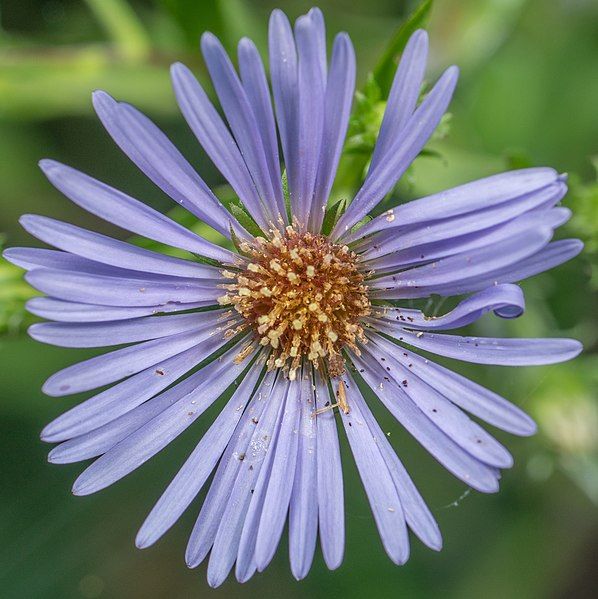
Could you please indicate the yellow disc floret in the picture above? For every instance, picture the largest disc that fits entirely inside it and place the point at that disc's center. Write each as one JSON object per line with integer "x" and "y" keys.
{"x": 304, "y": 297}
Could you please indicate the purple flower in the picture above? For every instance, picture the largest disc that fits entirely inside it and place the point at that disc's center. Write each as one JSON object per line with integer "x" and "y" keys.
{"x": 293, "y": 324}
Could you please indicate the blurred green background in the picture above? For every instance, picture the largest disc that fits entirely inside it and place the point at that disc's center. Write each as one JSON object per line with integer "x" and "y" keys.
{"x": 527, "y": 96}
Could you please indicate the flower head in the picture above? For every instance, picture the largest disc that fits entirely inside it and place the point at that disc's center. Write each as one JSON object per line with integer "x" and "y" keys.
{"x": 294, "y": 323}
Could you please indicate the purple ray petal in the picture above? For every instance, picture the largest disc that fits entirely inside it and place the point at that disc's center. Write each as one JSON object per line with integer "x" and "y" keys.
{"x": 122, "y": 210}
{"x": 552, "y": 255}
{"x": 463, "y": 199}
{"x": 414, "y": 136}
{"x": 152, "y": 151}
{"x": 311, "y": 117}
{"x": 243, "y": 123}
{"x": 465, "y": 393}
{"x": 120, "y": 398}
{"x": 426, "y": 253}
{"x": 463, "y": 226}
{"x": 317, "y": 18}
{"x": 280, "y": 484}
{"x": 445, "y": 450}
{"x": 339, "y": 96}
{"x": 117, "y": 364}
{"x": 404, "y": 93}
{"x": 246, "y": 559}
{"x": 105, "y": 250}
{"x": 67, "y": 334}
{"x": 303, "y": 509}
{"x": 100, "y": 440}
{"x": 489, "y": 350}
{"x": 227, "y": 488}
{"x": 216, "y": 140}
{"x": 120, "y": 291}
{"x": 283, "y": 72}
{"x": 377, "y": 481}
{"x": 331, "y": 504}
{"x": 462, "y": 269}
{"x": 152, "y": 437}
{"x": 55, "y": 309}
{"x": 506, "y": 301}
{"x": 448, "y": 418}
{"x": 197, "y": 468}
{"x": 257, "y": 459}
{"x": 253, "y": 78}
{"x": 31, "y": 258}
{"x": 417, "y": 514}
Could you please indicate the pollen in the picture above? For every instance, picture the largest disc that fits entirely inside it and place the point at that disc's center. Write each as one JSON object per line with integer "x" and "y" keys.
{"x": 304, "y": 297}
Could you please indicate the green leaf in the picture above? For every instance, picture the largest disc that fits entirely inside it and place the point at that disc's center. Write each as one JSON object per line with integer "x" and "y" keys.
{"x": 385, "y": 69}
{"x": 286, "y": 193}
{"x": 245, "y": 220}
{"x": 332, "y": 215}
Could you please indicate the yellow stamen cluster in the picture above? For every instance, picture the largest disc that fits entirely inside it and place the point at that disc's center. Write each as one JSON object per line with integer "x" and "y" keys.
{"x": 304, "y": 297}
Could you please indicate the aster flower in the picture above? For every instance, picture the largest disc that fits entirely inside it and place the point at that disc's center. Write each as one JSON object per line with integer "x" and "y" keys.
{"x": 293, "y": 324}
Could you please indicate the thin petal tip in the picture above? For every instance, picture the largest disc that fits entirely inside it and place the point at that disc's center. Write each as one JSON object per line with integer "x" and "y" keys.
{"x": 99, "y": 95}
{"x": 452, "y": 73}
{"x": 209, "y": 41}
{"x": 79, "y": 490}
{"x": 33, "y": 331}
{"x": 8, "y": 253}
{"x": 26, "y": 219}
{"x": 48, "y": 435}
{"x": 49, "y": 388}
{"x": 528, "y": 428}
{"x": 48, "y": 165}
{"x": 419, "y": 36}
{"x": 178, "y": 69}
{"x": 142, "y": 541}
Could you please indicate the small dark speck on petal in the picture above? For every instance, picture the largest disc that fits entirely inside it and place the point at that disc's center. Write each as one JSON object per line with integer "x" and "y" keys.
{"x": 160, "y": 371}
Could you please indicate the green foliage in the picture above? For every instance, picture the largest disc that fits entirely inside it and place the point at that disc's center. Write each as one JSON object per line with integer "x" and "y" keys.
{"x": 332, "y": 214}
{"x": 583, "y": 201}
{"x": 228, "y": 19}
{"x": 368, "y": 111}
{"x": 244, "y": 219}
{"x": 14, "y": 292}
{"x": 123, "y": 27}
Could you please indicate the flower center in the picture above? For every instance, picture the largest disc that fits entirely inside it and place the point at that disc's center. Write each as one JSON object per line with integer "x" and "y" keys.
{"x": 304, "y": 297}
